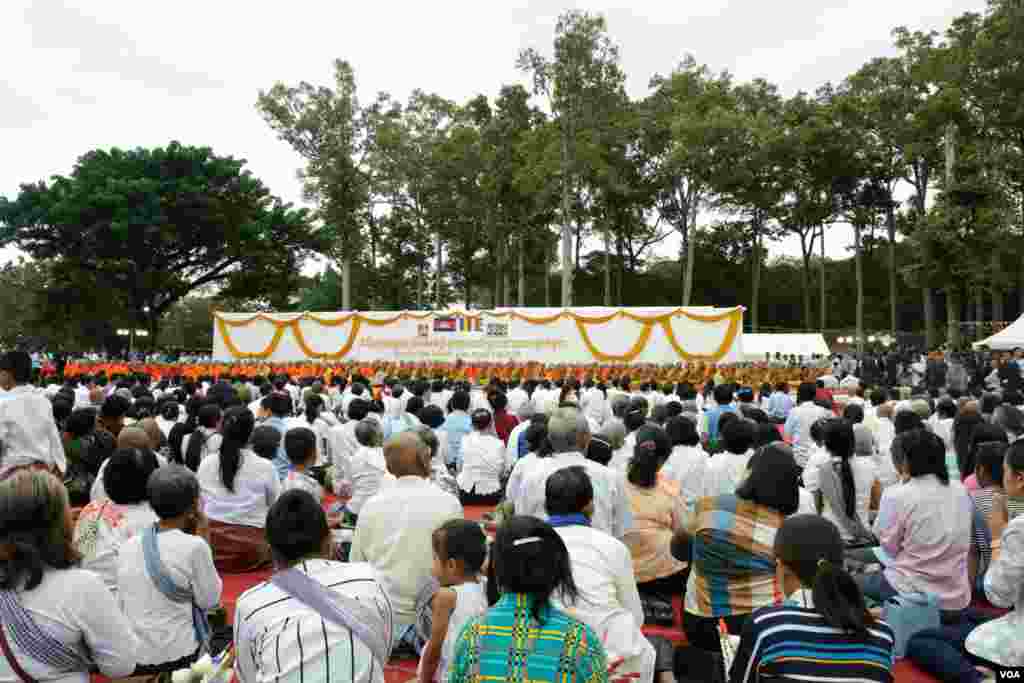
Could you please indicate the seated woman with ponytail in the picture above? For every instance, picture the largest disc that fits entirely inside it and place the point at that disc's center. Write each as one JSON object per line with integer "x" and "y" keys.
{"x": 205, "y": 439}
{"x": 842, "y": 484}
{"x": 823, "y": 631}
{"x": 238, "y": 489}
{"x": 524, "y": 636}
{"x": 57, "y": 622}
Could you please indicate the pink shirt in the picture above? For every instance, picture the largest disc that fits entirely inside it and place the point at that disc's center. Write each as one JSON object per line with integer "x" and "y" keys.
{"x": 927, "y": 531}
{"x": 971, "y": 483}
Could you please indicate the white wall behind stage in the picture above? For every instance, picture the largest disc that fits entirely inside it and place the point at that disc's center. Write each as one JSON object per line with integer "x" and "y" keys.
{"x": 546, "y": 335}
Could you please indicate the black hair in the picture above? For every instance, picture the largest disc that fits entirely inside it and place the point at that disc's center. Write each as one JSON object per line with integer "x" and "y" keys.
{"x": 358, "y": 409}
{"x": 806, "y": 392}
{"x": 460, "y": 400}
{"x": 989, "y": 456}
{"x": 463, "y": 540}
{"x": 170, "y": 410}
{"x": 1009, "y": 418}
{"x": 498, "y": 401}
{"x": 432, "y": 416}
{"x": 774, "y": 479}
{"x": 682, "y": 431}
{"x": 568, "y": 491}
{"x": 530, "y": 557}
{"x": 738, "y": 435}
{"x": 983, "y": 432}
{"x": 925, "y": 454}
{"x": 854, "y": 413}
{"x": 810, "y": 546}
{"x": 649, "y": 454}
{"x": 723, "y": 394}
{"x": 265, "y": 441}
{"x": 296, "y": 527}
{"x": 81, "y": 422}
{"x": 1014, "y": 457}
{"x": 599, "y": 451}
{"x": 946, "y": 408}
{"x": 414, "y": 405}
{"x": 906, "y": 421}
{"x": 635, "y": 417}
{"x": 537, "y": 437}
{"x": 209, "y": 416}
{"x": 300, "y": 445}
{"x": 314, "y": 406}
{"x": 840, "y": 443}
{"x": 126, "y": 475}
{"x": 236, "y": 430}
{"x": 765, "y": 433}
{"x": 115, "y": 406}
{"x": 19, "y": 364}
{"x": 481, "y": 419}
{"x": 279, "y": 404}
{"x": 989, "y": 403}
{"x": 173, "y": 491}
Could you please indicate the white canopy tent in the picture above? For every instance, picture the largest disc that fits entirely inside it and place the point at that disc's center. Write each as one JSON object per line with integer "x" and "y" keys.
{"x": 755, "y": 346}
{"x": 1007, "y": 339}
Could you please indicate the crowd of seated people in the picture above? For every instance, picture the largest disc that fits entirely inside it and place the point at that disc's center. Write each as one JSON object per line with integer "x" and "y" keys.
{"x": 790, "y": 522}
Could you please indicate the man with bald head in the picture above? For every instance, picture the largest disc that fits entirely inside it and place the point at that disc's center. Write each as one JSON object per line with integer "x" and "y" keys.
{"x": 395, "y": 527}
{"x": 569, "y": 435}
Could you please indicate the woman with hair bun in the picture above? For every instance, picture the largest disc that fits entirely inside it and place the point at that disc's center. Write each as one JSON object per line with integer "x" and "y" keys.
{"x": 823, "y": 631}
{"x": 524, "y": 636}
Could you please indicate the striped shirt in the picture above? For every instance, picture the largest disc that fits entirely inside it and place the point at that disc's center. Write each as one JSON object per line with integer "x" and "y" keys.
{"x": 281, "y": 640}
{"x": 507, "y": 644}
{"x": 733, "y": 569}
{"x": 794, "y": 643}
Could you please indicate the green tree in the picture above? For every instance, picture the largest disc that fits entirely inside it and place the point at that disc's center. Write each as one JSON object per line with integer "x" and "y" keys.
{"x": 149, "y": 227}
{"x": 580, "y": 81}
{"x": 327, "y": 128}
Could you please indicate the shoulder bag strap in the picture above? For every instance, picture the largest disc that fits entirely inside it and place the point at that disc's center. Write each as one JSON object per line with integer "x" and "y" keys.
{"x": 9, "y": 656}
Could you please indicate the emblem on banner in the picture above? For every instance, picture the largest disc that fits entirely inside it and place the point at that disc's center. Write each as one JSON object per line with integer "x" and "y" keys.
{"x": 458, "y": 323}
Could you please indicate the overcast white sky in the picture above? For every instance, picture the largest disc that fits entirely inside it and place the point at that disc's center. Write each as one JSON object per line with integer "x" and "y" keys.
{"x": 78, "y": 75}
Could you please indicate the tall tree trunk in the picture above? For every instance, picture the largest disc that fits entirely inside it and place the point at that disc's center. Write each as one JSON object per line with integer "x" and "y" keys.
{"x": 890, "y": 220}
{"x": 421, "y": 283}
{"x": 498, "y": 272}
{"x": 439, "y": 271}
{"x": 547, "y": 278}
{"x": 952, "y": 319}
{"x": 859, "y": 265}
{"x": 621, "y": 272}
{"x": 821, "y": 275}
{"x": 346, "y": 284}
{"x": 807, "y": 289}
{"x": 1020, "y": 292}
{"x": 566, "y": 227}
{"x": 929, "y": 317}
{"x": 755, "y": 275}
{"x": 506, "y": 285}
{"x": 952, "y": 296}
{"x": 521, "y": 286}
{"x": 690, "y": 255}
{"x": 607, "y": 269}
{"x": 979, "y": 305}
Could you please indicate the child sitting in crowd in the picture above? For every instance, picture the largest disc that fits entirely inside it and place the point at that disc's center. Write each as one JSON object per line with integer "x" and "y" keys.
{"x": 460, "y": 549}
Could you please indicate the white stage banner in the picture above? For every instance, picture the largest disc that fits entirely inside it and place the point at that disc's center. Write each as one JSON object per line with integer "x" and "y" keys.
{"x": 545, "y": 335}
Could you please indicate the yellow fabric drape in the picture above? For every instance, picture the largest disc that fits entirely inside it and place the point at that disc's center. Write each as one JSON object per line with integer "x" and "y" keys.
{"x": 717, "y": 354}
{"x": 633, "y": 352}
{"x": 735, "y": 317}
{"x": 275, "y": 341}
{"x": 336, "y": 355}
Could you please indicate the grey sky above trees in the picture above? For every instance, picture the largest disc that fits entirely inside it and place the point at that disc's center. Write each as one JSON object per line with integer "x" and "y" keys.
{"x": 81, "y": 74}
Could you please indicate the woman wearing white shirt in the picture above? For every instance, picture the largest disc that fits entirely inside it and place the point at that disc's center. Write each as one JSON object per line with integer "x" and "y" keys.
{"x": 484, "y": 463}
{"x": 238, "y": 488}
{"x": 104, "y": 525}
{"x": 368, "y": 470}
{"x": 58, "y": 621}
{"x": 842, "y": 485}
{"x": 688, "y": 462}
{"x": 317, "y": 420}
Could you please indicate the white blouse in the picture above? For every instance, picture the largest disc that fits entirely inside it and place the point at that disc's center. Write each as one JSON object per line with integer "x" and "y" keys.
{"x": 484, "y": 463}
{"x": 256, "y": 488}
{"x": 75, "y": 607}
{"x": 369, "y": 474}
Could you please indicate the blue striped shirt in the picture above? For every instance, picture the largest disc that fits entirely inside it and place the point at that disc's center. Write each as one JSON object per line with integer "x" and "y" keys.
{"x": 795, "y": 643}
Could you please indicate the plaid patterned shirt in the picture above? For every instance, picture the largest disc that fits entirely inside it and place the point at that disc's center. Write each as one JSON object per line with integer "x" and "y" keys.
{"x": 733, "y": 568}
{"x": 507, "y": 644}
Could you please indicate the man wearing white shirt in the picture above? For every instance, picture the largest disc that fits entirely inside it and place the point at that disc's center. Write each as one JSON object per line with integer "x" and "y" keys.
{"x": 395, "y": 527}
{"x": 799, "y": 422}
{"x": 569, "y": 436}
{"x": 602, "y": 569}
{"x": 28, "y": 432}
{"x": 727, "y": 469}
{"x": 517, "y": 398}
